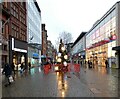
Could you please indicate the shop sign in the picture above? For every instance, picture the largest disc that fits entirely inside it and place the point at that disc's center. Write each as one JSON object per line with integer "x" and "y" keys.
{"x": 19, "y": 46}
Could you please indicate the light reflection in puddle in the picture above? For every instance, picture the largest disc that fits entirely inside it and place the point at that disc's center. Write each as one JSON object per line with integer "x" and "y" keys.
{"x": 39, "y": 69}
{"x": 32, "y": 71}
{"x": 62, "y": 84}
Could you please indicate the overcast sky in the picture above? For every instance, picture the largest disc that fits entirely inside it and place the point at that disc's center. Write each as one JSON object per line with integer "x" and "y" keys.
{"x": 73, "y": 16}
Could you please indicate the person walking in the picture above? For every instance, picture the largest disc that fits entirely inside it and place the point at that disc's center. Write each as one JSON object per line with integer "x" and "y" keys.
{"x": 106, "y": 63}
{"x": 22, "y": 67}
{"x": 29, "y": 64}
{"x": 8, "y": 72}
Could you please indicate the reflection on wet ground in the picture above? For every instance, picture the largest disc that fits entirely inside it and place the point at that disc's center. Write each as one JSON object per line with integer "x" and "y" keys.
{"x": 62, "y": 84}
{"x": 92, "y": 82}
{"x": 102, "y": 79}
{"x": 104, "y": 70}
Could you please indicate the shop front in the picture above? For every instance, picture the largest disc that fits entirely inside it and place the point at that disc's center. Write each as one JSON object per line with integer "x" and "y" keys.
{"x": 17, "y": 52}
{"x": 117, "y": 49}
{"x": 81, "y": 58}
{"x": 98, "y": 55}
{"x": 33, "y": 56}
{"x": 35, "y": 59}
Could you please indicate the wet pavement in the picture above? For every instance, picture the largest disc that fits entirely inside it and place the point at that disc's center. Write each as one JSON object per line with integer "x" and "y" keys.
{"x": 97, "y": 82}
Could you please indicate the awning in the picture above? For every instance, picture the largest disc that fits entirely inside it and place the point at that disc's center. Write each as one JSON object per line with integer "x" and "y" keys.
{"x": 117, "y": 48}
{"x": 35, "y": 55}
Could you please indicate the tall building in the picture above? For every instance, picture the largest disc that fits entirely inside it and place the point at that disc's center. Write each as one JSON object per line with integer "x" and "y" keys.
{"x": 44, "y": 40}
{"x": 78, "y": 49}
{"x": 51, "y": 51}
{"x": 16, "y": 32}
{"x": 49, "y": 48}
{"x": 34, "y": 32}
{"x": 4, "y": 20}
{"x": 103, "y": 39}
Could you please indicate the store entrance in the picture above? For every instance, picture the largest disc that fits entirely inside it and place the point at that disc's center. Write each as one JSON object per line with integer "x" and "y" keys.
{"x": 18, "y": 58}
{"x": 119, "y": 59}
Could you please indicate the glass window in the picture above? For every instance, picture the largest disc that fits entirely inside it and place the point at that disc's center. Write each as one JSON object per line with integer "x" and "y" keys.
{"x": 17, "y": 15}
{"x": 14, "y": 7}
{"x": 3, "y": 26}
{"x": 113, "y": 22}
{"x": 107, "y": 18}
{"x": 11, "y": 4}
{"x": 20, "y": 18}
{"x": 14, "y": 13}
{"x": 113, "y": 13}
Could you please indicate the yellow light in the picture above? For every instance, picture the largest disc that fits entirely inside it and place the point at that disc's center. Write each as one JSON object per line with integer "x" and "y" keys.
{"x": 62, "y": 48}
{"x": 56, "y": 68}
{"x": 56, "y": 57}
{"x": 57, "y": 73}
{"x": 65, "y": 85}
{"x": 60, "y": 82}
{"x": 65, "y": 57}
{"x": 63, "y": 93}
{"x": 59, "y": 60}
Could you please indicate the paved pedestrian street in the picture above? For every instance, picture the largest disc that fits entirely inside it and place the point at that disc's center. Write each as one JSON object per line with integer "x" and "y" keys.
{"x": 86, "y": 83}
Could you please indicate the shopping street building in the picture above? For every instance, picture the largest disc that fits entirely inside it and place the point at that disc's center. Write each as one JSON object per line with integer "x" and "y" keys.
{"x": 103, "y": 39}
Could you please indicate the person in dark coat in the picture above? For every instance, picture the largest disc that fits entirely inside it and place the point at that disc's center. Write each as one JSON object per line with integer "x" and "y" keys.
{"x": 29, "y": 65}
{"x": 8, "y": 71}
{"x": 106, "y": 63}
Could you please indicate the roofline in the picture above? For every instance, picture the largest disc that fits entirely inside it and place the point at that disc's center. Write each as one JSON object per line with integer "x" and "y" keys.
{"x": 79, "y": 37}
{"x": 103, "y": 17}
{"x": 37, "y": 5}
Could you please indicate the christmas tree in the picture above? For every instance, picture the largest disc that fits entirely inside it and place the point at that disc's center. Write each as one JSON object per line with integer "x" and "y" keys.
{"x": 62, "y": 57}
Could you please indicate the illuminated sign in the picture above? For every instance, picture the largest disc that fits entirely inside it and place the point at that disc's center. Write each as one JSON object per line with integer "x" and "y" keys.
{"x": 17, "y": 49}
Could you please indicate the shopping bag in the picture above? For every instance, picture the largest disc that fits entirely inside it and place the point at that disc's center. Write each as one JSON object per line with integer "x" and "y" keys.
{"x": 11, "y": 78}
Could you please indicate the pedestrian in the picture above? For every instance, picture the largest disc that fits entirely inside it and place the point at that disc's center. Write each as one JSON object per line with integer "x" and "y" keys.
{"x": 8, "y": 72}
{"x": 89, "y": 63}
{"x": 13, "y": 67}
{"x": 106, "y": 63}
{"x": 22, "y": 68}
{"x": 29, "y": 66}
